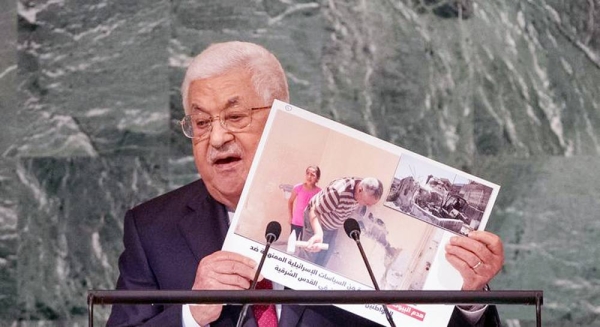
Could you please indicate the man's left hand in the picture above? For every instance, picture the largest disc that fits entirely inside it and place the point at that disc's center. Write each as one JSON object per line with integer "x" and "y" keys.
{"x": 478, "y": 258}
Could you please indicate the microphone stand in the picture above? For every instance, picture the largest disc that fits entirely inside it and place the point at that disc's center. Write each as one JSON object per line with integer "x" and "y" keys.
{"x": 355, "y": 235}
{"x": 272, "y": 234}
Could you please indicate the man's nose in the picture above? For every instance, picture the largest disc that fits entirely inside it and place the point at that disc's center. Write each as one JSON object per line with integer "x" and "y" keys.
{"x": 219, "y": 135}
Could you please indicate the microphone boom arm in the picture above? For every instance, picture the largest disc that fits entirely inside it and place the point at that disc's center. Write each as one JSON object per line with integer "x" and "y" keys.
{"x": 353, "y": 231}
{"x": 272, "y": 233}
{"x": 364, "y": 256}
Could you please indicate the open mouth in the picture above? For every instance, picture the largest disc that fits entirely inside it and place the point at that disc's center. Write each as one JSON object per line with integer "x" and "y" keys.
{"x": 224, "y": 161}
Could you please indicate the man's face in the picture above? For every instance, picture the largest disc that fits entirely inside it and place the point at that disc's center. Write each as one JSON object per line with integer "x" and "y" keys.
{"x": 224, "y": 158}
{"x": 364, "y": 198}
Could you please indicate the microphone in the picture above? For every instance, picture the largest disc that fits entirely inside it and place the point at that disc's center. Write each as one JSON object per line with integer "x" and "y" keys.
{"x": 353, "y": 231}
{"x": 272, "y": 233}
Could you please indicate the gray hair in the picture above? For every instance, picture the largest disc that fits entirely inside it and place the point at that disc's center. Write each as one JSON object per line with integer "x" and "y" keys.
{"x": 372, "y": 186}
{"x": 268, "y": 77}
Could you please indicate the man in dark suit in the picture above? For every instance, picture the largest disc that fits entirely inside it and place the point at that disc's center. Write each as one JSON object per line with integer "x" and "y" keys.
{"x": 174, "y": 241}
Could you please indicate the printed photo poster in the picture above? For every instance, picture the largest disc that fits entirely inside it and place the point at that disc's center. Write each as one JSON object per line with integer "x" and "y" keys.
{"x": 423, "y": 204}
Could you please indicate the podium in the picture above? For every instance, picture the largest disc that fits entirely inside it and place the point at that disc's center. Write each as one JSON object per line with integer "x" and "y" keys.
{"x": 103, "y": 297}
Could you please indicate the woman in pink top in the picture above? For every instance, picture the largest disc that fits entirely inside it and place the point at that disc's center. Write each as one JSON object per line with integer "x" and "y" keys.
{"x": 301, "y": 194}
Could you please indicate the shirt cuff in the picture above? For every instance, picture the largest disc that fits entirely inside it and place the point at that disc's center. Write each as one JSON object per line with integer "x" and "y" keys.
{"x": 187, "y": 320}
{"x": 473, "y": 314}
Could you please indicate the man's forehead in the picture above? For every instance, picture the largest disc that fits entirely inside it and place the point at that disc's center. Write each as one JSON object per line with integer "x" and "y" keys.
{"x": 226, "y": 90}
{"x": 228, "y": 103}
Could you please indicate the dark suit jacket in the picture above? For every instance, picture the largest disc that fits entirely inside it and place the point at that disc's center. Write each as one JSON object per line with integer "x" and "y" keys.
{"x": 165, "y": 239}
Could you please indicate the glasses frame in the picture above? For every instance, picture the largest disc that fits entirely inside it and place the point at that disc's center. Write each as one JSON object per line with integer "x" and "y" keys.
{"x": 221, "y": 120}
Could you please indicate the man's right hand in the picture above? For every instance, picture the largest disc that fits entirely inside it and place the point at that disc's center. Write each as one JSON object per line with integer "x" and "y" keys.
{"x": 221, "y": 270}
{"x": 312, "y": 245}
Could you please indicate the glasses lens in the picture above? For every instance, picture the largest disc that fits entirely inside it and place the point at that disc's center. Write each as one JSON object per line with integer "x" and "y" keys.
{"x": 236, "y": 119}
{"x": 196, "y": 126}
{"x": 232, "y": 119}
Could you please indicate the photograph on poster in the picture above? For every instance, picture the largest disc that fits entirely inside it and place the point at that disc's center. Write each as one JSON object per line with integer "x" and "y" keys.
{"x": 438, "y": 196}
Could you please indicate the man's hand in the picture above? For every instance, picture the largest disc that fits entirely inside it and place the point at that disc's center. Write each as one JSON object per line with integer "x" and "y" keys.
{"x": 221, "y": 270}
{"x": 312, "y": 243}
{"x": 478, "y": 258}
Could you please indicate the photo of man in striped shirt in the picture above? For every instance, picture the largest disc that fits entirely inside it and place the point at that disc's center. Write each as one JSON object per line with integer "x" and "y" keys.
{"x": 328, "y": 209}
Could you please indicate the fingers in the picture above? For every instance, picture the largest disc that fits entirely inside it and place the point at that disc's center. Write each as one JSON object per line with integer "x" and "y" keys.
{"x": 224, "y": 270}
{"x": 313, "y": 248}
{"x": 312, "y": 243}
{"x": 221, "y": 270}
{"x": 478, "y": 257}
{"x": 478, "y": 246}
{"x": 464, "y": 251}
{"x": 491, "y": 241}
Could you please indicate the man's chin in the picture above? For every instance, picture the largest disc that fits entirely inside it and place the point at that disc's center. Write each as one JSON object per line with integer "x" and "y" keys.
{"x": 225, "y": 185}
{"x": 231, "y": 191}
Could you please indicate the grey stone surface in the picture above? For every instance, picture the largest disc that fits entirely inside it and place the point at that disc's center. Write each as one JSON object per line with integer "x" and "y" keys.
{"x": 509, "y": 79}
{"x": 507, "y": 90}
{"x": 547, "y": 215}
{"x": 92, "y": 78}
{"x": 70, "y": 229}
{"x": 9, "y": 239}
{"x": 8, "y": 198}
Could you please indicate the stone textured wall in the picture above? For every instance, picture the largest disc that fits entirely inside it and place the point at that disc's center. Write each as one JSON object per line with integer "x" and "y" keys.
{"x": 506, "y": 90}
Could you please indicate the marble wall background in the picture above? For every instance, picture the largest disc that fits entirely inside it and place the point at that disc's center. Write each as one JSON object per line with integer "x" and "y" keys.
{"x": 507, "y": 90}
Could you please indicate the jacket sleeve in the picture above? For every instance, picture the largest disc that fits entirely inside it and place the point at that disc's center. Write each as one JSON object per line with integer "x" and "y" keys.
{"x": 489, "y": 319}
{"x": 135, "y": 274}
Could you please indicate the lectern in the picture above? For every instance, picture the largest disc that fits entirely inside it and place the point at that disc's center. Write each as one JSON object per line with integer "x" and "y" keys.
{"x": 525, "y": 297}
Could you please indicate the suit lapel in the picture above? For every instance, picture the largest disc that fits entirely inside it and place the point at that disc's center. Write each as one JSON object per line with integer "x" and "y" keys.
{"x": 205, "y": 225}
{"x": 290, "y": 315}
{"x": 204, "y": 228}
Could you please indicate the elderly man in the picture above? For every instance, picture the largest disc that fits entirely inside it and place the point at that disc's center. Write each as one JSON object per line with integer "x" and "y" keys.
{"x": 174, "y": 241}
{"x": 328, "y": 209}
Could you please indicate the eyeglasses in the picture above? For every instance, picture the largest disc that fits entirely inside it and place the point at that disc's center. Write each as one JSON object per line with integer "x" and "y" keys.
{"x": 198, "y": 126}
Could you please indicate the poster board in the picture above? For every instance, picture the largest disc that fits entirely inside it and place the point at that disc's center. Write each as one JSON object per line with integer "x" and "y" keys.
{"x": 424, "y": 203}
